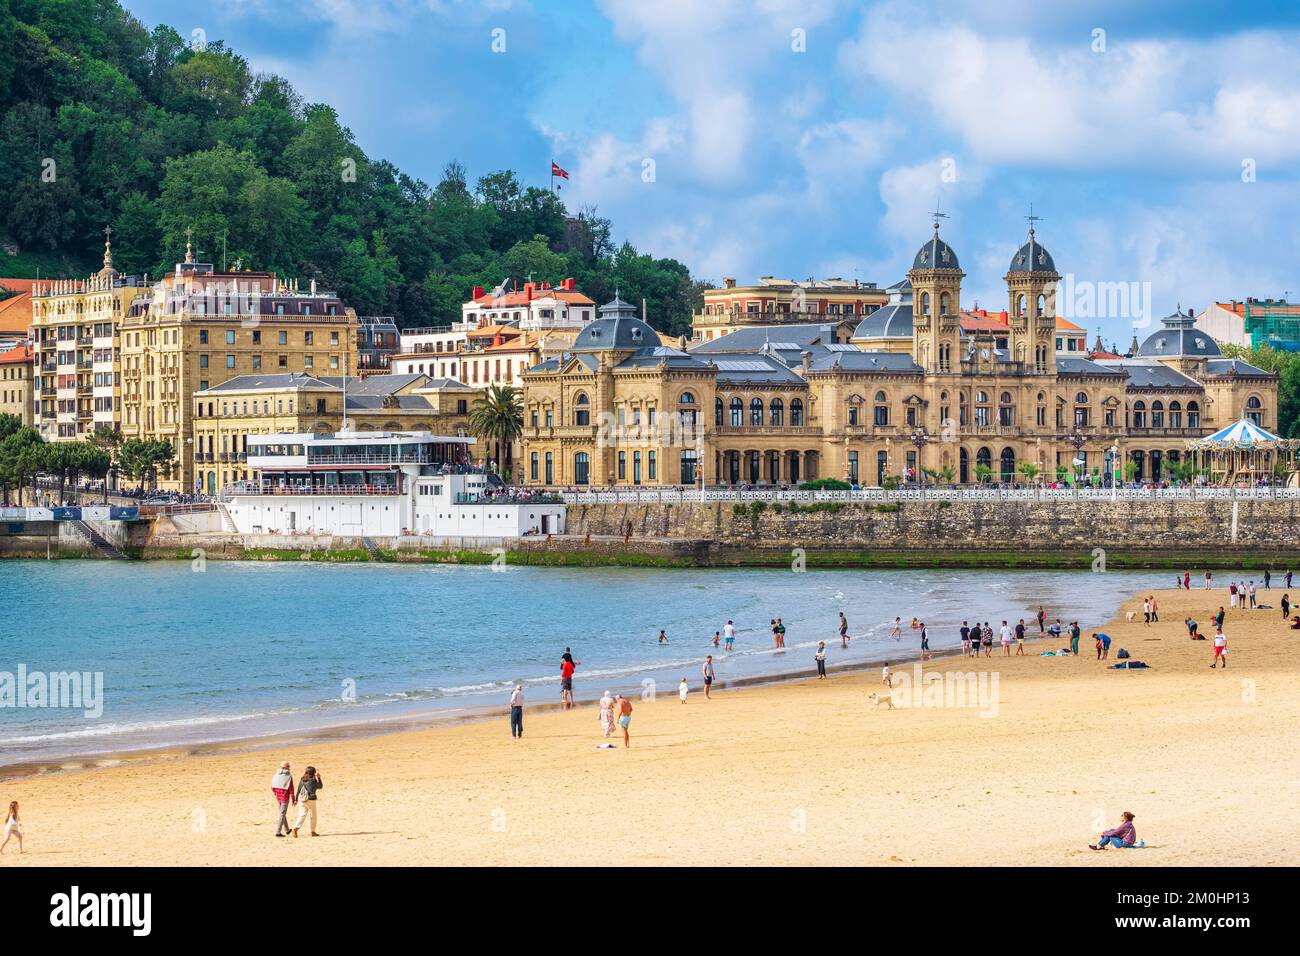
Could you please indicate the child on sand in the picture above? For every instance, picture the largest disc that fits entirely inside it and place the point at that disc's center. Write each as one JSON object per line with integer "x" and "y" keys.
{"x": 1220, "y": 649}
{"x": 13, "y": 828}
{"x": 683, "y": 689}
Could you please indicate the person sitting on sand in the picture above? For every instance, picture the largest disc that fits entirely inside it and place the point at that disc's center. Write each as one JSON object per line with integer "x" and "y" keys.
{"x": 282, "y": 787}
{"x": 1123, "y": 836}
{"x": 13, "y": 828}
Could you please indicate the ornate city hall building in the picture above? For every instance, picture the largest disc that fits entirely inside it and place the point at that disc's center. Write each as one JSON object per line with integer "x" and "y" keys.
{"x": 919, "y": 386}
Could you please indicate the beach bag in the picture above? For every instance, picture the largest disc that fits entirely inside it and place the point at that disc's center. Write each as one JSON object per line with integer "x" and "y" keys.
{"x": 1123, "y": 654}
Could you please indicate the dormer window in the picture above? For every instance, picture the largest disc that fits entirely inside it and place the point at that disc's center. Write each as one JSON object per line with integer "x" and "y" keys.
{"x": 636, "y": 335}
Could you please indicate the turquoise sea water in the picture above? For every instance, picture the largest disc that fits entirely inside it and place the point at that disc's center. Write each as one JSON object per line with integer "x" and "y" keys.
{"x": 249, "y": 648}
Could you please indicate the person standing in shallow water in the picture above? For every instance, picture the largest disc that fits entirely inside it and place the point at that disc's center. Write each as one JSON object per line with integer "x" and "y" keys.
{"x": 844, "y": 630}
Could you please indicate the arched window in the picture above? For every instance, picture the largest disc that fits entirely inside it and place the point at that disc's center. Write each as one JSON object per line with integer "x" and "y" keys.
{"x": 983, "y": 414}
{"x": 1139, "y": 414}
{"x": 686, "y": 412}
{"x": 1008, "y": 462}
{"x": 880, "y": 414}
{"x": 943, "y": 304}
{"x": 778, "y": 412}
{"x": 1020, "y": 304}
{"x": 583, "y": 414}
{"x": 756, "y": 411}
{"x": 1042, "y": 304}
{"x": 983, "y": 458}
{"x": 717, "y": 412}
{"x": 796, "y": 411}
{"x": 1006, "y": 411}
{"x": 925, "y": 303}
{"x": 1157, "y": 414}
{"x": 1175, "y": 421}
{"x": 1255, "y": 410}
{"x": 1081, "y": 398}
{"x": 737, "y": 408}
{"x": 1193, "y": 415}
{"x": 581, "y": 468}
{"x": 687, "y": 399}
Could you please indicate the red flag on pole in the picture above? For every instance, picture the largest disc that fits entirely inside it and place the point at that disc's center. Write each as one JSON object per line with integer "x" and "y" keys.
{"x": 557, "y": 171}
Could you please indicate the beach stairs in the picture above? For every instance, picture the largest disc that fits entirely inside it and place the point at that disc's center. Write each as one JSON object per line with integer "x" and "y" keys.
{"x": 372, "y": 550}
{"x": 227, "y": 522}
{"x": 98, "y": 541}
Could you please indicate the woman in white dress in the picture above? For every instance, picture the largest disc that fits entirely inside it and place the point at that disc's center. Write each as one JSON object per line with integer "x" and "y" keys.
{"x": 12, "y": 828}
{"x": 607, "y": 714}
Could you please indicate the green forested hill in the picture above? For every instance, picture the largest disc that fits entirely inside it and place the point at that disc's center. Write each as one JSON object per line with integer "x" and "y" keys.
{"x": 104, "y": 122}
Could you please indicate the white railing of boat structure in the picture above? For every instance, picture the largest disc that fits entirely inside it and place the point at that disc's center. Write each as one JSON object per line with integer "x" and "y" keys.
{"x": 710, "y": 495}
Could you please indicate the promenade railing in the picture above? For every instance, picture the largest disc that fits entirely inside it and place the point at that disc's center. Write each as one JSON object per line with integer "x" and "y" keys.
{"x": 684, "y": 495}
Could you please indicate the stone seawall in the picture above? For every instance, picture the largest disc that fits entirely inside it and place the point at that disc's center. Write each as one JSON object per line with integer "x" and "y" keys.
{"x": 920, "y": 526}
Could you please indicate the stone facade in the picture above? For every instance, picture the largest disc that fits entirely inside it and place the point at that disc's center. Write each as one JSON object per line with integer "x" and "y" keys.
{"x": 910, "y": 389}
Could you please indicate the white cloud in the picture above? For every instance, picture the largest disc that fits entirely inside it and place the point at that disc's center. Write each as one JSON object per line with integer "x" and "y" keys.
{"x": 1023, "y": 102}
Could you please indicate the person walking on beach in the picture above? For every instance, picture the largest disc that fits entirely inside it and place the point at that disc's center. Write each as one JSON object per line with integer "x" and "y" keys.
{"x": 965, "y": 639}
{"x": 1209, "y": 576}
{"x": 623, "y": 707}
{"x": 282, "y": 787}
{"x": 607, "y": 713}
{"x": 310, "y": 783}
{"x": 886, "y": 678}
{"x": 844, "y": 630}
{"x": 1288, "y": 579}
{"x": 1218, "y": 618}
{"x": 1122, "y": 836}
{"x": 925, "y": 644}
{"x": 567, "y": 666}
{"x": 14, "y": 827}
{"x": 1187, "y": 580}
{"x": 1020, "y": 638}
{"x": 897, "y": 632}
{"x": 1268, "y": 576}
{"x": 1075, "y": 632}
{"x": 1286, "y": 606}
{"x": 988, "y": 640}
{"x": 517, "y": 711}
{"x": 820, "y": 657}
{"x": 1146, "y": 612}
{"x": 1232, "y": 594}
{"x": 729, "y": 636}
{"x": 1220, "y": 649}
{"x": 707, "y": 671}
{"x": 1155, "y": 610}
{"x": 1004, "y": 637}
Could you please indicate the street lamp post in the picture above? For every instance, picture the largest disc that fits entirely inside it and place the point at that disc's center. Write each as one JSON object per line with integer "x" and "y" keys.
{"x": 920, "y": 439}
{"x": 1077, "y": 440}
{"x": 1115, "y": 472}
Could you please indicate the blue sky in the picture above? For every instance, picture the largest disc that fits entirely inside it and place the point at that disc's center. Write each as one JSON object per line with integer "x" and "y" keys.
{"x": 813, "y": 137}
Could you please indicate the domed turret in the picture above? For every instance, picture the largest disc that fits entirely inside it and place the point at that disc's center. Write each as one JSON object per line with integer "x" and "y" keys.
{"x": 617, "y": 328}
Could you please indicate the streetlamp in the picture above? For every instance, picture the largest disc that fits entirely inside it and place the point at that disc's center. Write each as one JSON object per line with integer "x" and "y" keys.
{"x": 1115, "y": 471}
{"x": 920, "y": 439}
{"x": 1077, "y": 439}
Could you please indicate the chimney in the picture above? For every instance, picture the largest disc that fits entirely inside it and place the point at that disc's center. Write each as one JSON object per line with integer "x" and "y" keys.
{"x": 567, "y": 285}
{"x": 478, "y": 292}
{"x": 805, "y": 362}
{"x": 1003, "y": 315}
{"x": 729, "y": 282}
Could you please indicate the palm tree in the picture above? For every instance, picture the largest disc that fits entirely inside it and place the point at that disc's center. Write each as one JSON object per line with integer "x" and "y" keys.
{"x": 499, "y": 417}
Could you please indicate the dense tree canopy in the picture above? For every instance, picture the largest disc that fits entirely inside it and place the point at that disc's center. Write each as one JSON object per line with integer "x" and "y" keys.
{"x": 104, "y": 122}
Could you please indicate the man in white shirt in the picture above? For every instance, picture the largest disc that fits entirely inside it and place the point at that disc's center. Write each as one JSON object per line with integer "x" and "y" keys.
{"x": 1220, "y": 649}
{"x": 729, "y": 635}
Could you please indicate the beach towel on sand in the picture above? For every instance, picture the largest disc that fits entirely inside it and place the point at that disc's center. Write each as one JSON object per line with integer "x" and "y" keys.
{"x": 1129, "y": 666}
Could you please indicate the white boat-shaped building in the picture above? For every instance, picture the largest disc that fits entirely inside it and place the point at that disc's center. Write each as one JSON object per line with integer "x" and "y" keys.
{"x": 382, "y": 485}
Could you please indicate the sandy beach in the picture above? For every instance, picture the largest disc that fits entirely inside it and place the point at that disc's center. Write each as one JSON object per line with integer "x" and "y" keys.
{"x": 803, "y": 772}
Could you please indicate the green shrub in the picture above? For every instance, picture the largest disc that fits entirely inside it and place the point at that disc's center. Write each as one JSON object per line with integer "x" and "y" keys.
{"x": 826, "y": 484}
